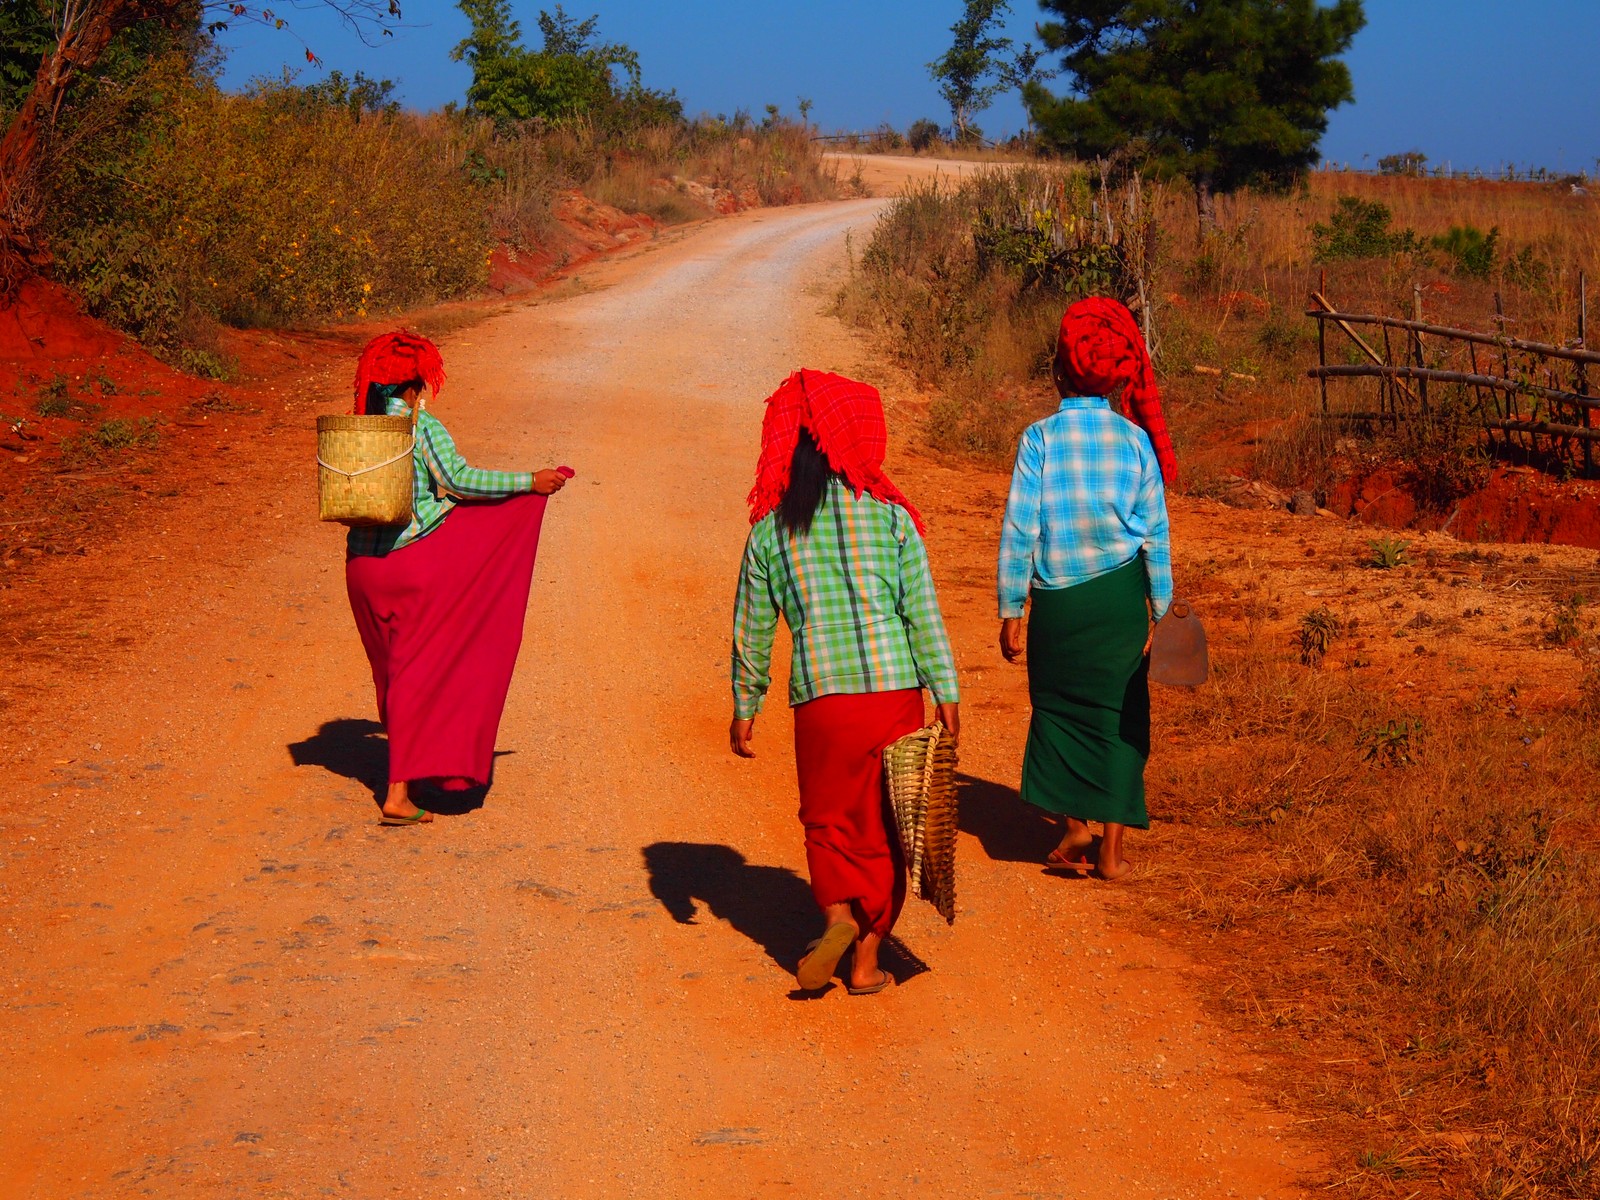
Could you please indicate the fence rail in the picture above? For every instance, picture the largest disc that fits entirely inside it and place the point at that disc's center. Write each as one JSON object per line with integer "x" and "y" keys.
{"x": 1539, "y": 405}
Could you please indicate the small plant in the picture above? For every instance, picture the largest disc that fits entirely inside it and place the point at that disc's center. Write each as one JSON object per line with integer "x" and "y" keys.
{"x": 1471, "y": 251}
{"x": 1566, "y": 622}
{"x": 1318, "y": 629}
{"x": 117, "y": 434}
{"x": 54, "y": 398}
{"x": 1392, "y": 743}
{"x": 1386, "y": 553}
{"x": 1360, "y": 229}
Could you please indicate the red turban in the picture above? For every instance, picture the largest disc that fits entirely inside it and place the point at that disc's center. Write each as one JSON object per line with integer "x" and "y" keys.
{"x": 1101, "y": 349}
{"x": 846, "y": 421}
{"x": 398, "y": 357}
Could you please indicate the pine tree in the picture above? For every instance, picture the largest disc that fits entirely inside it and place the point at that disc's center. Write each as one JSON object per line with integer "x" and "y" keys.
{"x": 1224, "y": 93}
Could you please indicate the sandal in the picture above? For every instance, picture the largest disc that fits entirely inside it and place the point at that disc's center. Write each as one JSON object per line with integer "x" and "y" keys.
{"x": 421, "y": 817}
{"x": 816, "y": 969}
{"x": 874, "y": 988}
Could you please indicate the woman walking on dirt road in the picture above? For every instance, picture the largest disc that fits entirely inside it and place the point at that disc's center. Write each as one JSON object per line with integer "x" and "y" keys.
{"x": 837, "y": 550}
{"x": 1086, "y": 542}
{"x": 440, "y": 602}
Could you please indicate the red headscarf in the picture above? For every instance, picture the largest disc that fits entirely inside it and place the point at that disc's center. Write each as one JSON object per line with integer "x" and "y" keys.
{"x": 1101, "y": 349}
{"x": 846, "y": 421}
{"x": 398, "y": 357}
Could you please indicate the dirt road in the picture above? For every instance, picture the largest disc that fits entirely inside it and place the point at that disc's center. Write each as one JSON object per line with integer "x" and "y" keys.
{"x": 222, "y": 978}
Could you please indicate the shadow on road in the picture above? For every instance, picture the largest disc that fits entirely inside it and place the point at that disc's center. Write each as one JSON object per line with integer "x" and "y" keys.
{"x": 772, "y": 906}
{"x": 1008, "y": 829}
{"x": 356, "y": 749}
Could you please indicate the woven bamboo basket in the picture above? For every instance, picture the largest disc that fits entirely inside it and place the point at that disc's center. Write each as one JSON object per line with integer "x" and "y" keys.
{"x": 364, "y": 472}
{"x": 920, "y": 772}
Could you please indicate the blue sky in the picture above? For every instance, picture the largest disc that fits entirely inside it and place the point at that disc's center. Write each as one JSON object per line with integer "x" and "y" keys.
{"x": 1464, "y": 81}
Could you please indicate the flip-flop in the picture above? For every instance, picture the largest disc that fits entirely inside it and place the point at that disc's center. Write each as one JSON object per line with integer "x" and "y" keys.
{"x": 872, "y": 989}
{"x": 421, "y": 817}
{"x": 816, "y": 969}
{"x": 1056, "y": 861}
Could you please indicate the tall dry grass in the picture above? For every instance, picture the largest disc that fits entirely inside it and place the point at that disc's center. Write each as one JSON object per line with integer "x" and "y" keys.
{"x": 964, "y": 287}
{"x": 1409, "y": 893}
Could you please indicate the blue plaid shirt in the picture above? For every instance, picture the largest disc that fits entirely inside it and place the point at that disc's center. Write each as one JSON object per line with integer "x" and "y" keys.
{"x": 1086, "y": 497}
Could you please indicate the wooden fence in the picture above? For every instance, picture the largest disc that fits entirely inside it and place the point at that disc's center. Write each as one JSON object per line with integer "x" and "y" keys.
{"x": 1534, "y": 400}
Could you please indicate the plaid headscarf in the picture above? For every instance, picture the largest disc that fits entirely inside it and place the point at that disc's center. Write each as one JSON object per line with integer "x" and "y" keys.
{"x": 846, "y": 421}
{"x": 398, "y": 357}
{"x": 1101, "y": 349}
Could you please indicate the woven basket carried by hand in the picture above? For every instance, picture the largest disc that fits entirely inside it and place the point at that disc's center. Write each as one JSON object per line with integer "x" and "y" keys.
{"x": 920, "y": 772}
{"x": 364, "y": 471}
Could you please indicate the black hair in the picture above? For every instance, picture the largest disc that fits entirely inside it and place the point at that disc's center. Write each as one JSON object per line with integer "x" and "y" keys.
{"x": 379, "y": 395}
{"x": 809, "y": 474}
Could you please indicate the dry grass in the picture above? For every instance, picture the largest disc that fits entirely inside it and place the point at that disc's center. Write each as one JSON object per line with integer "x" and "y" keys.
{"x": 1410, "y": 890}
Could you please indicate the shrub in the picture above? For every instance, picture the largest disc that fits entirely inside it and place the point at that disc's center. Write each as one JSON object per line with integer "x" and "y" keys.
{"x": 922, "y": 135}
{"x": 1360, "y": 229}
{"x": 967, "y": 285}
{"x": 1471, "y": 251}
{"x": 181, "y": 206}
{"x": 1408, "y": 162}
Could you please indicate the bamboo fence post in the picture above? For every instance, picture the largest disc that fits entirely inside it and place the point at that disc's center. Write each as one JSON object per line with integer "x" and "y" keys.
{"x": 1416, "y": 343}
{"x": 1510, "y": 407}
{"x": 1581, "y": 383}
{"x": 1322, "y": 342}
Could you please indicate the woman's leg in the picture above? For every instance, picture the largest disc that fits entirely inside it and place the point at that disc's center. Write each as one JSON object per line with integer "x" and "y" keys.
{"x": 1073, "y": 852}
{"x": 1110, "y": 864}
{"x": 397, "y": 802}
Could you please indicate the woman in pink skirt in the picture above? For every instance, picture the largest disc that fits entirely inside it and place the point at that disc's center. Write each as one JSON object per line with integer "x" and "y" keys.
{"x": 440, "y": 602}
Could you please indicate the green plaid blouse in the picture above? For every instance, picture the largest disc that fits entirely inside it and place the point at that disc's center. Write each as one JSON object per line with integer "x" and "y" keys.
{"x": 859, "y": 601}
{"x": 439, "y": 476}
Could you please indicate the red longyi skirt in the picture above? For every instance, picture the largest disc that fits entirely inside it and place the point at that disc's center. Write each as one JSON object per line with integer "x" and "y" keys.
{"x": 441, "y": 620}
{"x": 852, "y": 850}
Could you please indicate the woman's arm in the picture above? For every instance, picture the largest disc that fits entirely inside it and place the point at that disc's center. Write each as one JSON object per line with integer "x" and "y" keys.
{"x": 919, "y": 612}
{"x": 755, "y": 620}
{"x": 452, "y": 474}
{"x": 1151, "y": 506}
{"x": 1019, "y": 534}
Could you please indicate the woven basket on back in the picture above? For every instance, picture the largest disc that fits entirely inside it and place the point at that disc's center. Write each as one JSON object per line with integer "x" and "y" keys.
{"x": 364, "y": 473}
{"x": 920, "y": 771}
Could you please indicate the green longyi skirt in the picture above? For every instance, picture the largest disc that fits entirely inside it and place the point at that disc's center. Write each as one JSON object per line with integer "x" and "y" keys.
{"x": 1088, "y": 681}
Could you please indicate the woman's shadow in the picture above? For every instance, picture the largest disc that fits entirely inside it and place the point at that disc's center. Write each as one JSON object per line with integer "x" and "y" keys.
{"x": 356, "y": 748}
{"x": 772, "y": 906}
{"x": 1008, "y": 829}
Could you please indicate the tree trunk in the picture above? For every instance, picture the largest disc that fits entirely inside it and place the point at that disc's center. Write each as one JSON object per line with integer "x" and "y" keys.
{"x": 22, "y": 147}
{"x": 1206, "y": 207}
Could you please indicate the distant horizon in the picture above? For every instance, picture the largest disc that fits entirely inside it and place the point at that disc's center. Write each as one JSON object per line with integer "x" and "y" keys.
{"x": 1420, "y": 84}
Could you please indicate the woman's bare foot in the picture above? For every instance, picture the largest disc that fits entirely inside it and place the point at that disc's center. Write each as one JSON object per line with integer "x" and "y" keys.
{"x": 398, "y": 805}
{"x": 1109, "y": 863}
{"x": 1073, "y": 852}
{"x": 864, "y": 969}
{"x": 1113, "y": 871}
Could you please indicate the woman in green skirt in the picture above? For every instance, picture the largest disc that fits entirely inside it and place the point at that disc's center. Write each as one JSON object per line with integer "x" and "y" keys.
{"x": 1085, "y": 543}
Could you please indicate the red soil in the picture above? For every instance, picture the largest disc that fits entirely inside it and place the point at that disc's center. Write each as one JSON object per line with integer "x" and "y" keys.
{"x": 1518, "y": 504}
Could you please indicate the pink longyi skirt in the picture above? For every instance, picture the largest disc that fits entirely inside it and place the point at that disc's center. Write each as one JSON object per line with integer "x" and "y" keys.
{"x": 441, "y": 620}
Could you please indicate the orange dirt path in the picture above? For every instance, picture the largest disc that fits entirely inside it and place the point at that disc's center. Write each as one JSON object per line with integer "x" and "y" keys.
{"x": 221, "y": 978}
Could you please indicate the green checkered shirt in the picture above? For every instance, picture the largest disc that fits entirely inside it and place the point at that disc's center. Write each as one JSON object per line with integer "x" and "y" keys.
{"x": 439, "y": 476}
{"x": 859, "y": 601}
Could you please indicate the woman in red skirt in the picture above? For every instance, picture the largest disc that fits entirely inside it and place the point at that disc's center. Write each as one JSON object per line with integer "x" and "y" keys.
{"x": 440, "y": 602}
{"x": 837, "y": 550}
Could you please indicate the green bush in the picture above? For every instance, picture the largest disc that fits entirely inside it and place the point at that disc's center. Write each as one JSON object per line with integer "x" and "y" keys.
{"x": 923, "y": 135}
{"x": 967, "y": 284}
{"x": 181, "y": 206}
{"x": 1360, "y": 229}
{"x": 1471, "y": 251}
